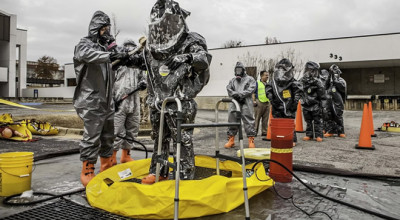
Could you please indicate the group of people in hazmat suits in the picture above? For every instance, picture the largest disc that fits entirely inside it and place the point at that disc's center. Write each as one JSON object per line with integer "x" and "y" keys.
{"x": 322, "y": 95}
{"x": 176, "y": 62}
{"x": 177, "y": 65}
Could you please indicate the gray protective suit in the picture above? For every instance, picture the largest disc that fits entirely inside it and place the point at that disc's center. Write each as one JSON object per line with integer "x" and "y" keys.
{"x": 336, "y": 94}
{"x": 283, "y": 92}
{"x": 127, "y": 117}
{"x": 314, "y": 98}
{"x": 93, "y": 99}
{"x": 177, "y": 62}
{"x": 241, "y": 89}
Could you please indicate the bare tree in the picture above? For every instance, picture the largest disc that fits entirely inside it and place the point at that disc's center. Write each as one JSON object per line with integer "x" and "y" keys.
{"x": 263, "y": 63}
{"x": 258, "y": 61}
{"x": 232, "y": 44}
{"x": 46, "y": 68}
{"x": 297, "y": 62}
{"x": 272, "y": 40}
{"x": 116, "y": 31}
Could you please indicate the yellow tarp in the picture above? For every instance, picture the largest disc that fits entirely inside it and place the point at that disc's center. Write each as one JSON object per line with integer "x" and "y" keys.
{"x": 40, "y": 128}
{"x": 212, "y": 195}
{"x": 256, "y": 153}
{"x": 35, "y": 127}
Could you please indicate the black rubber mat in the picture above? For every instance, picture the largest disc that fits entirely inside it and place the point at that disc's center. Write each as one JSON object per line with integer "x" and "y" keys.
{"x": 64, "y": 210}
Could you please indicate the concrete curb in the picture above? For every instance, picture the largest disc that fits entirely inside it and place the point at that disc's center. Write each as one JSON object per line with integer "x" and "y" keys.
{"x": 65, "y": 131}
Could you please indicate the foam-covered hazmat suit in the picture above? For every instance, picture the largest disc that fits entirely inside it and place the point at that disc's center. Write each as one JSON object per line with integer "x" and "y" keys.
{"x": 325, "y": 79}
{"x": 241, "y": 88}
{"x": 127, "y": 116}
{"x": 314, "y": 98}
{"x": 177, "y": 62}
{"x": 336, "y": 94}
{"x": 283, "y": 91}
{"x": 93, "y": 99}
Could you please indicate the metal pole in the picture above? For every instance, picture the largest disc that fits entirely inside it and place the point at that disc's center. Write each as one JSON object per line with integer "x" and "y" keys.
{"x": 178, "y": 157}
{"x": 313, "y": 130}
{"x": 217, "y": 136}
{"x": 246, "y": 197}
{"x": 160, "y": 137}
{"x": 161, "y": 131}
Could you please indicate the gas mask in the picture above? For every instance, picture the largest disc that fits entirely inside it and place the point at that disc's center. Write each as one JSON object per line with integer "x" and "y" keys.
{"x": 129, "y": 45}
{"x": 324, "y": 75}
{"x": 239, "y": 73}
{"x": 311, "y": 70}
{"x": 334, "y": 69}
{"x": 310, "y": 73}
{"x": 106, "y": 38}
{"x": 283, "y": 71}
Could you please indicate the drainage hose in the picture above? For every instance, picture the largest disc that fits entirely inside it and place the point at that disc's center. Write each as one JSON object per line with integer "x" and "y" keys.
{"x": 137, "y": 142}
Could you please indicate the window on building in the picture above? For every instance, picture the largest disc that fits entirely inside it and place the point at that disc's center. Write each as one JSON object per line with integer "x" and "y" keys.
{"x": 4, "y": 28}
{"x": 252, "y": 71}
{"x": 71, "y": 82}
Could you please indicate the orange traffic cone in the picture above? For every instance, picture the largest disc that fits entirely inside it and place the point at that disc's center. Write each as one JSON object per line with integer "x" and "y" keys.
{"x": 364, "y": 141}
{"x": 371, "y": 120}
{"x": 268, "y": 137}
{"x": 299, "y": 119}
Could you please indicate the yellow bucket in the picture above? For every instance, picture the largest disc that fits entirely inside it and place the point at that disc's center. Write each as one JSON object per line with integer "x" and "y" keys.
{"x": 15, "y": 172}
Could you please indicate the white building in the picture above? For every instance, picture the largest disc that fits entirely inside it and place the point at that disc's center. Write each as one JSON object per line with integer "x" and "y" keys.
{"x": 13, "y": 46}
{"x": 370, "y": 65}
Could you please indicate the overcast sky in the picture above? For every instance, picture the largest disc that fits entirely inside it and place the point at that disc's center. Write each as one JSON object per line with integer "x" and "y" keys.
{"x": 55, "y": 26}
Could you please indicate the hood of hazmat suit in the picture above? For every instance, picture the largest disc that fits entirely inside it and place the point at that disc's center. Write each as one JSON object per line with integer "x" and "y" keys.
{"x": 99, "y": 20}
{"x": 311, "y": 71}
{"x": 129, "y": 45}
{"x": 167, "y": 28}
{"x": 283, "y": 72}
{"x": 240, "y": 70}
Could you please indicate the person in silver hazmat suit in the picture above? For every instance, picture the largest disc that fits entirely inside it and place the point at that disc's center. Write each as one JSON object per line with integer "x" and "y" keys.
{"x": 93, "y": 97}
{"x": 314, "y": 98}
{"x": 177, "y": 62}
{"x": 127, "y": 116}
{"x": 336, "y": 94}
{"x": 284, "y": 92}
{"x": 241, "y": 88}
